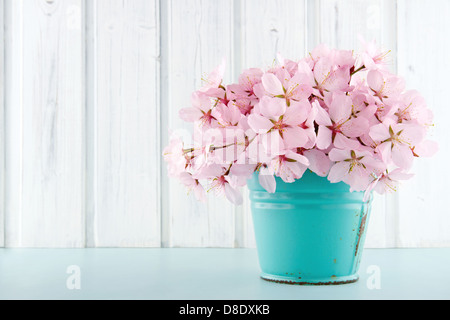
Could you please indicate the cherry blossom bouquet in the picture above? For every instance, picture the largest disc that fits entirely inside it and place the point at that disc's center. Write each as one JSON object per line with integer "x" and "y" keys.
{"x": 342, "y": 116}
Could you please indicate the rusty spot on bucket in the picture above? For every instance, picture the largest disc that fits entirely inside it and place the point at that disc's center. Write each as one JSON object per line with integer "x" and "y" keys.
{"x": 362, "y": 228}
{"x": 331, "y": 283}
{"x": 335, "y": 261}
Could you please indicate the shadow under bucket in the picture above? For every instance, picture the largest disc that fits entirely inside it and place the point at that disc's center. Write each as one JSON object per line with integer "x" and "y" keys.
{"x": 310, "y": 232}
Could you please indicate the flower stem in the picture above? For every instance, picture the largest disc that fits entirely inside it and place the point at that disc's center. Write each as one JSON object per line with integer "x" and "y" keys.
{"x": 358, "y": 70}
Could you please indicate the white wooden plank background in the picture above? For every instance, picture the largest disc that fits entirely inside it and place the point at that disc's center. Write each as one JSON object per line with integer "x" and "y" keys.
{"x": 423, "y": 210}
{"x": 45, "y": 174}
{"x": 92, "y": 88}
{"x": 2, "y": 129}
{"x": 126, "y": 120}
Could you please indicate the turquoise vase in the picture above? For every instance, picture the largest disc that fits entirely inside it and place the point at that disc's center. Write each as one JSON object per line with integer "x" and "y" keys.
{"x": 310, "y": 232}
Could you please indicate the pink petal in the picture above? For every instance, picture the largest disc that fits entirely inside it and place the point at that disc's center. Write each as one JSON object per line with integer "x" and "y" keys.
{"x": 379, "y": 132}
{"x": 359, "y": 179}
{"x": 375, "y": 80}
{"x": 331, "y": 79}
{"x": 273, "y": 143}
{"x": 385, "y": 149}
{"x": 402, "y": 156}
{"x": 272, "y": 108}
{"x": 233, "y": 195}
{"x": 229, "y": 154}
{"x": 427, "y": 148}
{"x": 201, "y": 101}
{"x": 297, "y": 113}
{"x": 324, "y": 138}
{"x": 368, "y": 111}
{"x": 214, "y": 79}
{"x": 259, "y": 91}
{"x": 338, "y": 155}
{"x": 322, "y": 117}
{"x": 341, "y": 108}
{"x": 411, "y": 134}
{"x": 311, "y": 133}
{"x": 244, "y": 170}
{"x": 398, "y": 174}
{"x": 259, "y": 124}
{"x": 355, "y": 127}
{"x": 342, "y": 142}
{"x": 297, "y": 157}
{"x": 374, "y": 164}
{"x": 215, "y": 93}
{"x": 295, "y": 137}
{"x": 298, "y": 88}
{"x": 319, "y": 162}
{"x": 267, "y": 180}
{"x": 320, "y": 51}
{"x": 200, "y": 193}
{"x": 292, "y": 171}
{"x": 186, "y": 179}
{"x": 256, "y": 152}
{"x": 338, "y": 172}
{"x": 190, "y": 114}
{"x": 303, "y": 91}
{"x": 209, "y": 172}
{"x": 272, "y": 84}
{"x": 386, "y": 185}
{"x": 322, "y": 70}
{"x": 249, "y": 78}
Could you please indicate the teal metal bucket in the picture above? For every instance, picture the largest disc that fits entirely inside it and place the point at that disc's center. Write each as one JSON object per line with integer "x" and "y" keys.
{"x": 310, "y": 232}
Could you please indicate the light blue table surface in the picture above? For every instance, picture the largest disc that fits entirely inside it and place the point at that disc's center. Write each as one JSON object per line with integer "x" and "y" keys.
{"x": 210, "y": 274}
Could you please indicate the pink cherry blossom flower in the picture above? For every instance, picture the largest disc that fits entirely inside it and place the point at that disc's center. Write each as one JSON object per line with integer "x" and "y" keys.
{"x": 384, "y": 85}
{"x": 213, "y": 82}
{"x": 267, "y": 179}
{"x": 245, "y": 106}
{"x": 372, "y": 57}
{"x": 289, "y": 166}
{"x": 319, "y": 162}
{"x": 255, "y": 152}
{"x": 290, "y": 66}
{"x": 412, "y": 107}
{"x": 319, "y": 52}
{"x": 200, "y": 111}
{"x": 175, "y": 157}
{"x": 396, "y": 142}
{"x": 280, "y": 126}
{"x": 193, "y": 185}
{"x": 227, "y": 116}
{"x": 341, "y": 122}
{"x": 223, "y": 185}
{"x": 354, "y": 168}
{"x": 288, "y": 88}
{"x": 386, "y": 182}
{"x": 330, "y": 77}
{"x": 243, "y": 170}
{"x": 426, "y": 149}
{"x": 245, "y": 89}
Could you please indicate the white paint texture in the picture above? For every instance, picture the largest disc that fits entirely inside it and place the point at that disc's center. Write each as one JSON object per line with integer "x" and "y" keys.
{"x": 124, "y": 108}
{"x": 92, "y": 87}
{"x": 45, "y": 167}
